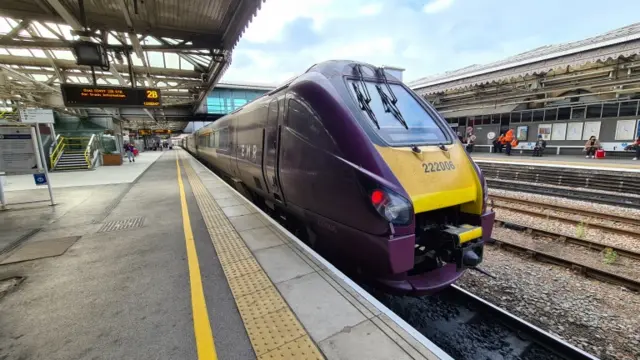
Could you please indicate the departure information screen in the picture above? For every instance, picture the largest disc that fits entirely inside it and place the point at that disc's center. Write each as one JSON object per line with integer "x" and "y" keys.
{"x": 109, "y": 96}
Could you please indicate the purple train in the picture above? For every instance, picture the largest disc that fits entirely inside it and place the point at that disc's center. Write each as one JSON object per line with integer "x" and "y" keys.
{"x": 365, "y": 168}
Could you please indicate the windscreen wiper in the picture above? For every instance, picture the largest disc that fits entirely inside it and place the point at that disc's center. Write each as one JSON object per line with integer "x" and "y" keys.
{"x": 389, "y": 101}
{"x": 364, "y": 98}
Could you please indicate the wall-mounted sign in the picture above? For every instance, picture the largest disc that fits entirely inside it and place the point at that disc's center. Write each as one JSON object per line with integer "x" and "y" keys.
{"x": 32, "y": 116}
{"x": 17, "y": 152}
{"x": 105, "y": 96}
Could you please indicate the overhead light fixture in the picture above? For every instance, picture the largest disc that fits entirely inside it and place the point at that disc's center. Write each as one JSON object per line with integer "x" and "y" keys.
{"x": 89, "y": 53}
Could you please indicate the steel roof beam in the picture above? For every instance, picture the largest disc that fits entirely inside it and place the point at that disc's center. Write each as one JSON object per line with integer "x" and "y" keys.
{"x": 16, "y": 30}
{"x": 70, "y": 64}
{"x": 186, "y": 57}
{"x": 33, "y": 31}
{"x": 65, "y": 14}
{"x": 19, "y": 42}
{"x": 14, "y": 73}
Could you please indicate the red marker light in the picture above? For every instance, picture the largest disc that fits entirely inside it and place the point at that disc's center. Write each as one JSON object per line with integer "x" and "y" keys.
{"x": 377, "y": 197}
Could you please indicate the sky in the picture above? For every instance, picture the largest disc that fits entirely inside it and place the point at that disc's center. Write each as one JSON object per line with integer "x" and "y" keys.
{"x": 425, "y": 37}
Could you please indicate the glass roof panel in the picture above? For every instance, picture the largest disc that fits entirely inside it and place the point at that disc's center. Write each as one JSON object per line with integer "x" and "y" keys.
{"x": 44, "y": 32}
{"x": 38, "y": 53}
{"x": 63, "y": 54}
{"x": 155, "y": 59}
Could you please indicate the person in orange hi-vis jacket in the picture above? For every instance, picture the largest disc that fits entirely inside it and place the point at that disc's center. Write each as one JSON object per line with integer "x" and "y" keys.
{"x": 509, "y": 138}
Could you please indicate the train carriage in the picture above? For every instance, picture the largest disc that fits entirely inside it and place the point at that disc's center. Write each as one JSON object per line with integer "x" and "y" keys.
{"x": 367, "y": 168}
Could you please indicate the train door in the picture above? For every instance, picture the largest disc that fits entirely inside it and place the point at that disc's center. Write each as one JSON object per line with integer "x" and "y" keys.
{"x": 271, "y": 145}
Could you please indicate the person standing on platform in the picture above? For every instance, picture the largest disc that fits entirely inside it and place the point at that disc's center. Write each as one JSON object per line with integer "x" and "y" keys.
{"x": 637, "y": 145}
{"x": 128, "y": 148}
{"x": 591, "y": 146}
{"x": 509, "y": 139}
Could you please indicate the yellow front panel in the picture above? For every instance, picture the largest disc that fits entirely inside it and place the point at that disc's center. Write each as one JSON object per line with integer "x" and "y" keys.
{"x": 435, "y": 187}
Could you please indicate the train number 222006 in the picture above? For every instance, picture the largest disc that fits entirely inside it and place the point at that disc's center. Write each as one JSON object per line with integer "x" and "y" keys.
{"x": 438, "y": 166}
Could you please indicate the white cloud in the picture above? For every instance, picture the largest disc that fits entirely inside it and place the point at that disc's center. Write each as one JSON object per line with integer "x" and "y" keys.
{"x": 436, "y": 6}
{"x": 371, "y": 9}
{"x": 276, "y": 14}
{"x": 289, "y": 36}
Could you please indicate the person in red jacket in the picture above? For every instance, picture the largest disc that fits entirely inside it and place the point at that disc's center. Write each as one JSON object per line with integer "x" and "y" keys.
{"x": 637, "y": 145}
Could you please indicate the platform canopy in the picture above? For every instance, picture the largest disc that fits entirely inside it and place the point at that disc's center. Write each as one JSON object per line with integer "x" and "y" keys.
{"x": 181, "y": 47}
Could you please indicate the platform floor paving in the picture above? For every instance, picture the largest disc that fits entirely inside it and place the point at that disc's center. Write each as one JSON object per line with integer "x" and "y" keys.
{"x": 176, "y": 265}
{"x": 565, "y": 160}
{"x": 102, "y": 175}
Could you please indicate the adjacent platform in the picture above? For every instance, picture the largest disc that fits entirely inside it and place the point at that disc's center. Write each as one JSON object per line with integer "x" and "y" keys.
{"x": 176, "y": 265}
{"x": 569, "y": 161}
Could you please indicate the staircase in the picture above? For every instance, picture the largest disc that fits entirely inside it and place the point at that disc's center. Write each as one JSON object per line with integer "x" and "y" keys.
{"x": 73, "y": 153}
{"x": 72, "y": 160}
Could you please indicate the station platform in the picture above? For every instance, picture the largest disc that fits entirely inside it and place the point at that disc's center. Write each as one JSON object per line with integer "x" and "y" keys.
{"x": 569, "y": 161}
{"x": 175, "y": 264}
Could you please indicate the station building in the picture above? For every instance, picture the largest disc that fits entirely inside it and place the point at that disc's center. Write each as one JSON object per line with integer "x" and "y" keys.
{"x": 565, "y": 92}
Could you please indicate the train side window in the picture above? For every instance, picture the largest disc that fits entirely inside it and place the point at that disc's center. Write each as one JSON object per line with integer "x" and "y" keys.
{"x": 272, "y": 116}
{"x": 224, "y": 138}
{"x": 306, "y": 123}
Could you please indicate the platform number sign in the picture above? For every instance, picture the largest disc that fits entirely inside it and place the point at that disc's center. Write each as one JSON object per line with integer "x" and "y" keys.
{"x": 40, "y": 179}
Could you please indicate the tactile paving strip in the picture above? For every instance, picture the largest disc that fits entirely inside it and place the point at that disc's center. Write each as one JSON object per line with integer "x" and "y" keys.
{"x": 273, "y": 329}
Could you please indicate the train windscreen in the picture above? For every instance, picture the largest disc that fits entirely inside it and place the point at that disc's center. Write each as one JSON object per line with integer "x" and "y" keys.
{"x": 414, "y": 126}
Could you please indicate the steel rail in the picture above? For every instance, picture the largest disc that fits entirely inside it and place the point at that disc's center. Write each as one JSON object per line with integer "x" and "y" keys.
{"x": 582, "y": 268}
{"x": 523, "y": 328}
{"x": 609, "y": 199}
{"x": 583, "y": 212}
{"x": 543, "y": 215}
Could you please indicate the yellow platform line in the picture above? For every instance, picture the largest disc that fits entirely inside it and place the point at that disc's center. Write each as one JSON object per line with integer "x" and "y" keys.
{"x": 273, "y": 329}
{"x": 201, "y": 326}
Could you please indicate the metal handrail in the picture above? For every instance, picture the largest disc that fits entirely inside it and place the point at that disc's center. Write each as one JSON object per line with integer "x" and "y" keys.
{"x": 54, "y": 143}
{"x": 57, "y": 151}
{"x": 87, "y": 151}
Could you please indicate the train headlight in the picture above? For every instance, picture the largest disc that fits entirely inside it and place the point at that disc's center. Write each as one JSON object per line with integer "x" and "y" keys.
{"x": 391, "y": 206}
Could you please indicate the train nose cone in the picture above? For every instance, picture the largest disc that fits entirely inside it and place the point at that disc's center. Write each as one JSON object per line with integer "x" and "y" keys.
{"x": 470, "y": 259}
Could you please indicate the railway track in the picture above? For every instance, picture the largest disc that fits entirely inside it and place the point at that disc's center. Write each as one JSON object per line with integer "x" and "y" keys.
{"x": 582, "y": 268}
{"x": 521, "y": 328}
{"x": 574, "y": 194}
{"x": 589, "y": 244}
{"x": 611, "y": 217}
{"x": 591, "y": 224}
{"x": 469, "y": 327}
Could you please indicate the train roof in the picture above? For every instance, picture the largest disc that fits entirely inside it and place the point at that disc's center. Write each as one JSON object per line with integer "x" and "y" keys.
{"x": 328, "y": 68}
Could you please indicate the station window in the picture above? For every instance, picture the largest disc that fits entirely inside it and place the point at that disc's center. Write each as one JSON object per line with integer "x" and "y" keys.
{"x": 610, "y": 110}
{"x": 577, "y": 113}
{"x": 564, "y": 113}
{"x": 629, "y": 108}
{"x": 550, "y": 114}
{"x": 538, "y": 115}
{"x": 593, "y": 111}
